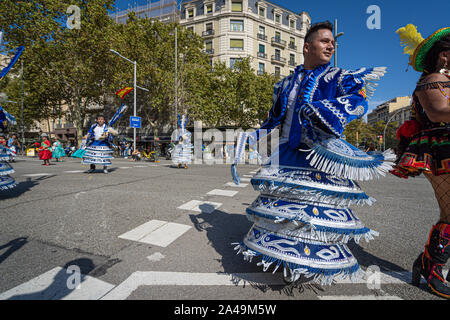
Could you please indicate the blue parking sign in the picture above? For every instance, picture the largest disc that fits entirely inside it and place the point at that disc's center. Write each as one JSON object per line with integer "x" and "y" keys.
{"x": 135, "y": 122}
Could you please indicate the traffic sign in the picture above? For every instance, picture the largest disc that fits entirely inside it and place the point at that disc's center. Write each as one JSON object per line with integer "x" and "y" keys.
{"x": 135, "y": 122}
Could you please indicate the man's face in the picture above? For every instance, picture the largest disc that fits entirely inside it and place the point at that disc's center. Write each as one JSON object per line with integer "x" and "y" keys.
{"x": 320, "y": 49}
{"x": 100, "y": 120}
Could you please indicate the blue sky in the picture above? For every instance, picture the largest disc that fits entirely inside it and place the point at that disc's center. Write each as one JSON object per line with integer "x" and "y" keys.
{"x": 362, "y": 47}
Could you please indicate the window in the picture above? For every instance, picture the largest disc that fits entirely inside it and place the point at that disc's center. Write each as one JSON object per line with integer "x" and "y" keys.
{"x": 236, "y": 6}
{"x": 260, "y": 68}
{"x": 277, "y": 18}
{"x": 277, "y": 54}
{"x": 208, "y": 45}
{"x": 190, "y": 13}
{"x": 292, "y": 59}
{"x": 291, "y": 72}
{"x": 277, "y": 71}
{"x": 277, "y": 36}
{"x": 237, "y": 44}
{"x": 208, "y": 26}
{"x": 262, "y": 48}
{"x": 233, "y": 61}
{"x": 262, "y": 12}
{"x": 292, "y": 42}
{"x": 292, "y": 24}
{"x": 237, "y": 25}
{"x": 209, "y": 9}
{"x": 191, "y": 28}
{"x": 262, "y": 30}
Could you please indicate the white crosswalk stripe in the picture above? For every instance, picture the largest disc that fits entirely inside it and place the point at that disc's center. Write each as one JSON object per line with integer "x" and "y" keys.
{"x": 156, "y": 232}
{"x": 59, "y": 284}
{"x": 200, "y": 206}
{"x": 225, "y": 193}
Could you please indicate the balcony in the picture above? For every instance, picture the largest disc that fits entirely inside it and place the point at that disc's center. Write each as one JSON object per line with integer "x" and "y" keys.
{"x": 208, "y": 33}
{"x": 260, "y": 72}
{"x": 262, "y": 55}
{"x": 292, "y": 46}
{"x": 278, "y": 59}
{"x": 292, "y": 63}
{"x": 278, "y": 42}
{"x": 262, "y": 37}
{"x": 209, "y": 51}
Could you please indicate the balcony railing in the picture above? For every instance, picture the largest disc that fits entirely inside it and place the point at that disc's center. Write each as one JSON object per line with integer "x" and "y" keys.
{"x": 278, "y": 42}
{"x": 208, "y": 33}
{"x": 209, "y": 51}
{"x": 292, "y": 46}
{"x": 262, "y": 37}
{"x": 260, "y": 72}
{"x": 262, "y": 55}
{"x": 278, "y": 59}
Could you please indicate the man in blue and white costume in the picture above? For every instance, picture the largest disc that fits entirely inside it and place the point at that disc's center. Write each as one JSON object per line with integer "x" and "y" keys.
{"x": 182, "y": 153}
{"x": 302, "y": 219}
{"x": 99, "y": 142}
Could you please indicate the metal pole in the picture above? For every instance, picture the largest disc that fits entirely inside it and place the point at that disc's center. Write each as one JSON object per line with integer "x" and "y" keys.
{"x": 134, "y": 129}
{"x": 385, "y": 127}
{"x": 335, "y": 43}
{"x": 176, "y": 77}
{"x": 21, "y": 108}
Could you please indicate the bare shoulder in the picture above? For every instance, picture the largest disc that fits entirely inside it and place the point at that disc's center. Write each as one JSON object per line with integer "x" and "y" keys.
{"x": 435, "y": 77}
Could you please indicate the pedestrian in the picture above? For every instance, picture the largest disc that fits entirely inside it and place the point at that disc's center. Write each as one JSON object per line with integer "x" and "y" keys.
{"x": 57, "y": 150}
{"x": 302, "y": 220}
{"x": 45, "y": 152}
{"x": 424, "y": 145}
{"x": 98, "y": 145}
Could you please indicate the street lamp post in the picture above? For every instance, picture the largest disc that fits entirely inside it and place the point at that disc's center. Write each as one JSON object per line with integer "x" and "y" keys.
{"x": 385, "y": 127}
{"x": 336, "y": 36}
{"x": 135, "y": 87}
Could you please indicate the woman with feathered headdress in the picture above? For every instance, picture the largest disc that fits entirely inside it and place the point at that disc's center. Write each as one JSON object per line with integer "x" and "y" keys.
{"x": 424, "y": 145}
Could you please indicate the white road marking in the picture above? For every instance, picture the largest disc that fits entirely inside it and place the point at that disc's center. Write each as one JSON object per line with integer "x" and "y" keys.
{"x": 245, "y": 179}
{"x": 124, "y": 167}
{"x": 78, "y": 194}
{"x": 200, "y": 206}
{"x": 156, "y": 232}
{"x": 38, "y": 174}
{"x": 240, "y": 185}
{"x": 225, "y": 193}
{"x": 369, "y": 297}
{"x": 247, "y": 176}
{"x": 157, "y": 256}
{"x": 161, "y": 278}
{"x": 74, "y": 171}
{"x": 53, "y": 285}
{"x": 141, "y": 166}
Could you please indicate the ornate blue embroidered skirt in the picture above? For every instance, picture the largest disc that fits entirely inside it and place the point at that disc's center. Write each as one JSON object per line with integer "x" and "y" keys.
{"x": 6, "y": 182}
{"x": 182, "y": 153}
{"x": 302, "y": 220}
{"x": 98, "y": 152}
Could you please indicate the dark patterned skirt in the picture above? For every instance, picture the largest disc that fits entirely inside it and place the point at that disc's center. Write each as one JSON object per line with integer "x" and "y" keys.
{"x": 427, "y": 151}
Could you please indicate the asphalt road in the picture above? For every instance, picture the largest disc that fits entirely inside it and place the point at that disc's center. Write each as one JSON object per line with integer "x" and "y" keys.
{"x": 60, "y": 216}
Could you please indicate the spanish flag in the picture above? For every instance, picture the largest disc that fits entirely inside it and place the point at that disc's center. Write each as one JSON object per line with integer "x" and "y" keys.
{"x": 123, "y": 92}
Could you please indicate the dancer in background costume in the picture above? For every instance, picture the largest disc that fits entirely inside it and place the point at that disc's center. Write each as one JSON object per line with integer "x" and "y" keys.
{"x": 99, "y": 142}
{"x": 424, "y": 145}
{"x": 57, "y": 150}
{"x": 6, "y": 182}
{"x": 181, "y": 155}
{"x": 302, "y": 220}
{"x": 45, "y": 150}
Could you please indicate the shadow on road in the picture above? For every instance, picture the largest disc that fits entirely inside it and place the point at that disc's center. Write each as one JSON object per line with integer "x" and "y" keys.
{"x": 12, "y": 246}
{"x": 20, "y": 188}
{"x": 224, "y": 228}
{"x": 61, "y": 285}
